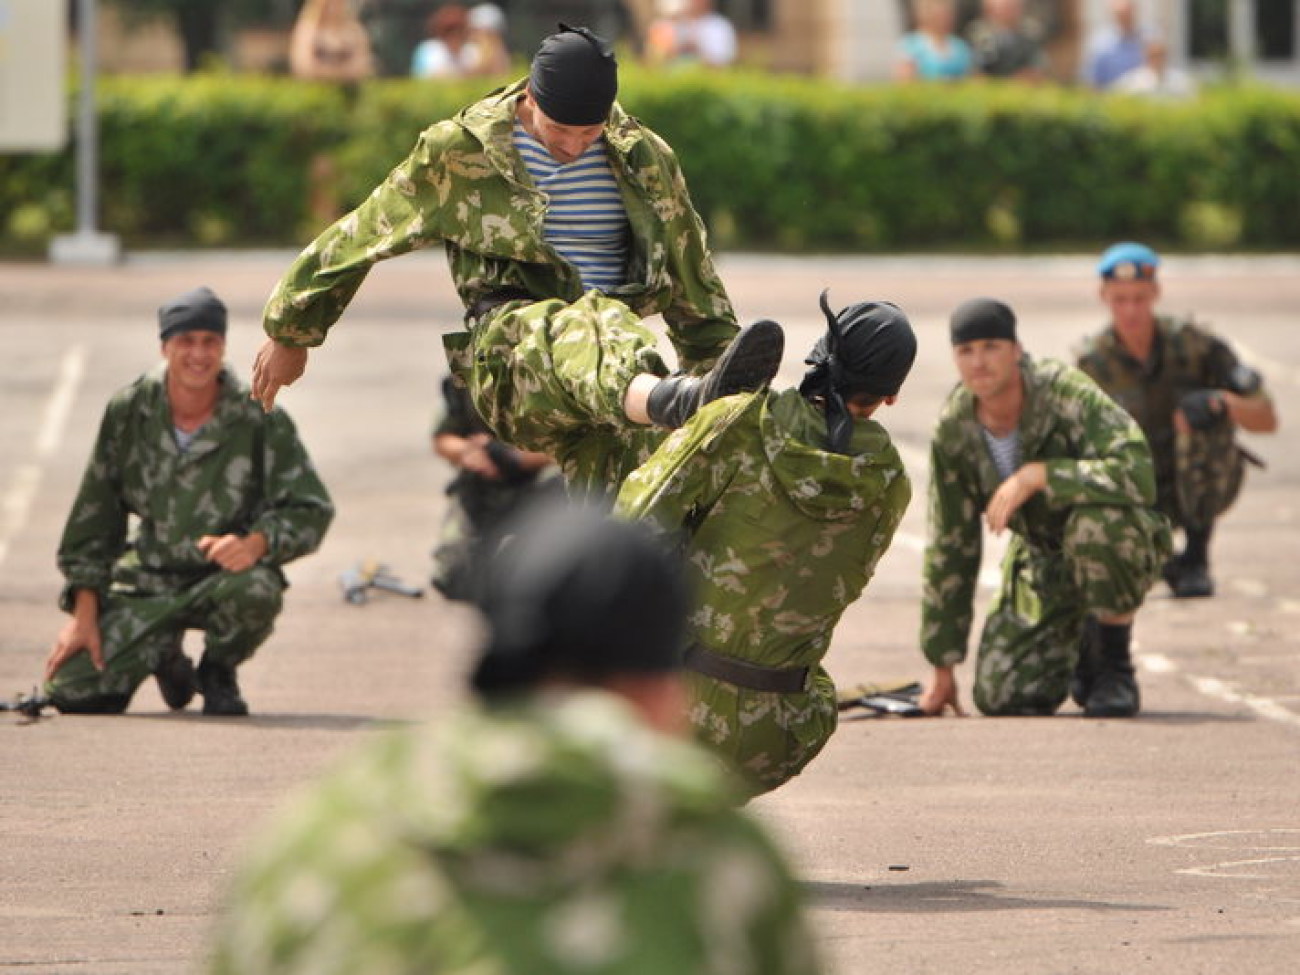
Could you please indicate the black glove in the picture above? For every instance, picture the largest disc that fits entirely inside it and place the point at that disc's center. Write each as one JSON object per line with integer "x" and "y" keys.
{"x": 506, "y": 459}
{"x": 1204, "y": 409}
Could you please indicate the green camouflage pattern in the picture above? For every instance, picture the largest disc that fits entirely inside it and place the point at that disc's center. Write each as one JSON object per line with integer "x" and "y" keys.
{"x": 235, "y": 610}
{"x": 1091, "y": 542}
{"x": 550, "y": 376}
{"x": 551, "y": 837}
{"x": 1198, "y": 474}
{"x": 246, "y": 471}
{"x": 781, "y": 536}
{"x": 466, "y": 187}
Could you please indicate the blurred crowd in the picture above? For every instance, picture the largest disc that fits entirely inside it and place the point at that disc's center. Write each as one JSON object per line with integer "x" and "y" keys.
{"x": 944, "y": 41}
{"x": 1007, "y": 39}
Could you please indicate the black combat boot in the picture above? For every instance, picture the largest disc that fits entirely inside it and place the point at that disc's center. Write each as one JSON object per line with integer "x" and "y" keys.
{"x": 220, "y": 690}
{"x": 175, "y": 677}
{"x": 1189, "y": 576}
{"x": 751, "y": 360}
{"x": 1114, "y": 692}
{"x": 1085, "y": 670}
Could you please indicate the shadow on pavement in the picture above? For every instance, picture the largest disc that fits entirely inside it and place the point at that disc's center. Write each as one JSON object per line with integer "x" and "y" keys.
{"x": 959, "y": 896}
{"x": 274, "y": 722}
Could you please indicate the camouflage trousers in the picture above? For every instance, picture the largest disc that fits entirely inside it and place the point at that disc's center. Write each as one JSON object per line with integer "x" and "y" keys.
{"x": 766, "y": 738}
{"x": 235, "y": 610}
{"x": 1208, "y": 471}
{"x": 550, "y": 376}
{"x": 1109, "y": 558}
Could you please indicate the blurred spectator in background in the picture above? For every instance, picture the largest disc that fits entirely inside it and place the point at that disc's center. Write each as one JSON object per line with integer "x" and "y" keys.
{"x": 444, "y": 53}
{"x": 1115, "y": 49}
{"x": 933, "y": 51}
{"x": 1005, "y": 44}
{"x": 689, "y": 32}
{"x": 487, "y": 40}
{"x": 395, "y": 27}
{"x": 1155, "y": 77}
{"x": 328, "y": 43}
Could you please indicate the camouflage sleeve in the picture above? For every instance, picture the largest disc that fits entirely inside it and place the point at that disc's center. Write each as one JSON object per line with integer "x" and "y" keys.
{"x": 1111, "y": 463}
{"x": 700, "y": 318}
{"x": 94, "y": 536}
{"x": 685, "y": 477}
{"x": 399, "y": 216}
{"x": 296, "y": 508}
{"x": 952, "y": 556}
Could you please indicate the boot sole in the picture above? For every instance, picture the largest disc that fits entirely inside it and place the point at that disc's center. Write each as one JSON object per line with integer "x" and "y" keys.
{"x": 748, "y": 363}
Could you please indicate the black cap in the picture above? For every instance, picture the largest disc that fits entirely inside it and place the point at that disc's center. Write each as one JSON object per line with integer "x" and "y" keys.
{"x": 982, "y": 318}
{"x": 574, "y": 77}
{"x": 195, "y": 311}
{"x": 868, "y": 348}
{"x": 579, "y": 595}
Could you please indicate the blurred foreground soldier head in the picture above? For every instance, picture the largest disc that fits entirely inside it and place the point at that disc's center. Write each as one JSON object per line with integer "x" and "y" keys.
{"x": 549, "y": 828}
{"x": 577, "y": 600}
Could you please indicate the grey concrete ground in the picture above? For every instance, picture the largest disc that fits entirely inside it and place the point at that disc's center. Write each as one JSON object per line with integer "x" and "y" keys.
{"x": 1170, "y": 843}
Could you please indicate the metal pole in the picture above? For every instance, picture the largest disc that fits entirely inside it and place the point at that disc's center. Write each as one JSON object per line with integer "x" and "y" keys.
{"x": 87, "y": 245}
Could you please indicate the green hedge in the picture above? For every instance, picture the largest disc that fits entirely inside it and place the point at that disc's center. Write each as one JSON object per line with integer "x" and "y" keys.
{"x": 773, "y": 163}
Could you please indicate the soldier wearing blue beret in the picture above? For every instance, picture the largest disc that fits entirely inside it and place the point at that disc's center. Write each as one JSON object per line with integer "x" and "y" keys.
{"x": 1188, "y": 391}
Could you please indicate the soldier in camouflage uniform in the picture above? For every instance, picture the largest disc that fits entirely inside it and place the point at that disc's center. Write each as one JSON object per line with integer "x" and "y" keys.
{"x": 556, "y": 358}
{"x": 492, "y": 479}
{"x": 1037, "y": 448}
{"x": 223, "y": 495}
{"x": 1189, "y": 392}
{"x": 784, "y": 502}
{"x": 559, "y": 826}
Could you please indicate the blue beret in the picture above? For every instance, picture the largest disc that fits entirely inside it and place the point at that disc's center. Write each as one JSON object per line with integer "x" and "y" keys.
{"x": 1129, "y": 262}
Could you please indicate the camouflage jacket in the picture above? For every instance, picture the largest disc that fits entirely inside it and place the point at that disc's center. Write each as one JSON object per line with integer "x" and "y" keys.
{"x": 1094, "y": 453}
{"x": 246, "y": 471}
{"x": 549, "y": 836}
{"x": 781, "y": 534}
{"x": 1184, "y": 357}
{"x": 464, "y": 185}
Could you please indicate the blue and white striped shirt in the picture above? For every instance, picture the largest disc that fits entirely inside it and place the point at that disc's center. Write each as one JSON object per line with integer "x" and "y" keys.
{"x": 585, "y": 218}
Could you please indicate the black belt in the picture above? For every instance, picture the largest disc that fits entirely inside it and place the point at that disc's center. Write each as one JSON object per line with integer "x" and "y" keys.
{"x": 485, "y": 303}
{"x": 752, "y": 676}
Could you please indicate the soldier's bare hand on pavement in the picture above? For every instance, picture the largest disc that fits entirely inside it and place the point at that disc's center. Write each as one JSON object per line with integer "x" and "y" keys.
{"x": 274, "y": 366}
{"x": 72, "y": 639}
{"x": 941, "y": 694}
{"x": 234, "y": 553}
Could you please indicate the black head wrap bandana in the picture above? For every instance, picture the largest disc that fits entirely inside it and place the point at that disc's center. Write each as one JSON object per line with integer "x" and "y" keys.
{"x": 195, "y": 311}
{"x": 574, "y": 77}
{"x": 982, "y": 318}
{"x": 868, "y": 348}
{"x": 576, "y": 594}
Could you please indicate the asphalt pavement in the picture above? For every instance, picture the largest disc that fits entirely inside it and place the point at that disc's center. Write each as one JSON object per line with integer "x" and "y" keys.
{"x": 1168, "y": 843}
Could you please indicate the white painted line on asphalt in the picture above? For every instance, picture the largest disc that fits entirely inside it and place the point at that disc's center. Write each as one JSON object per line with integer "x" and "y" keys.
{"x": 18, "y": 497}
{"x": 1263, "y": 706}
{"x": 1221, "y": 691}
{"x": 1241, "y": 869}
